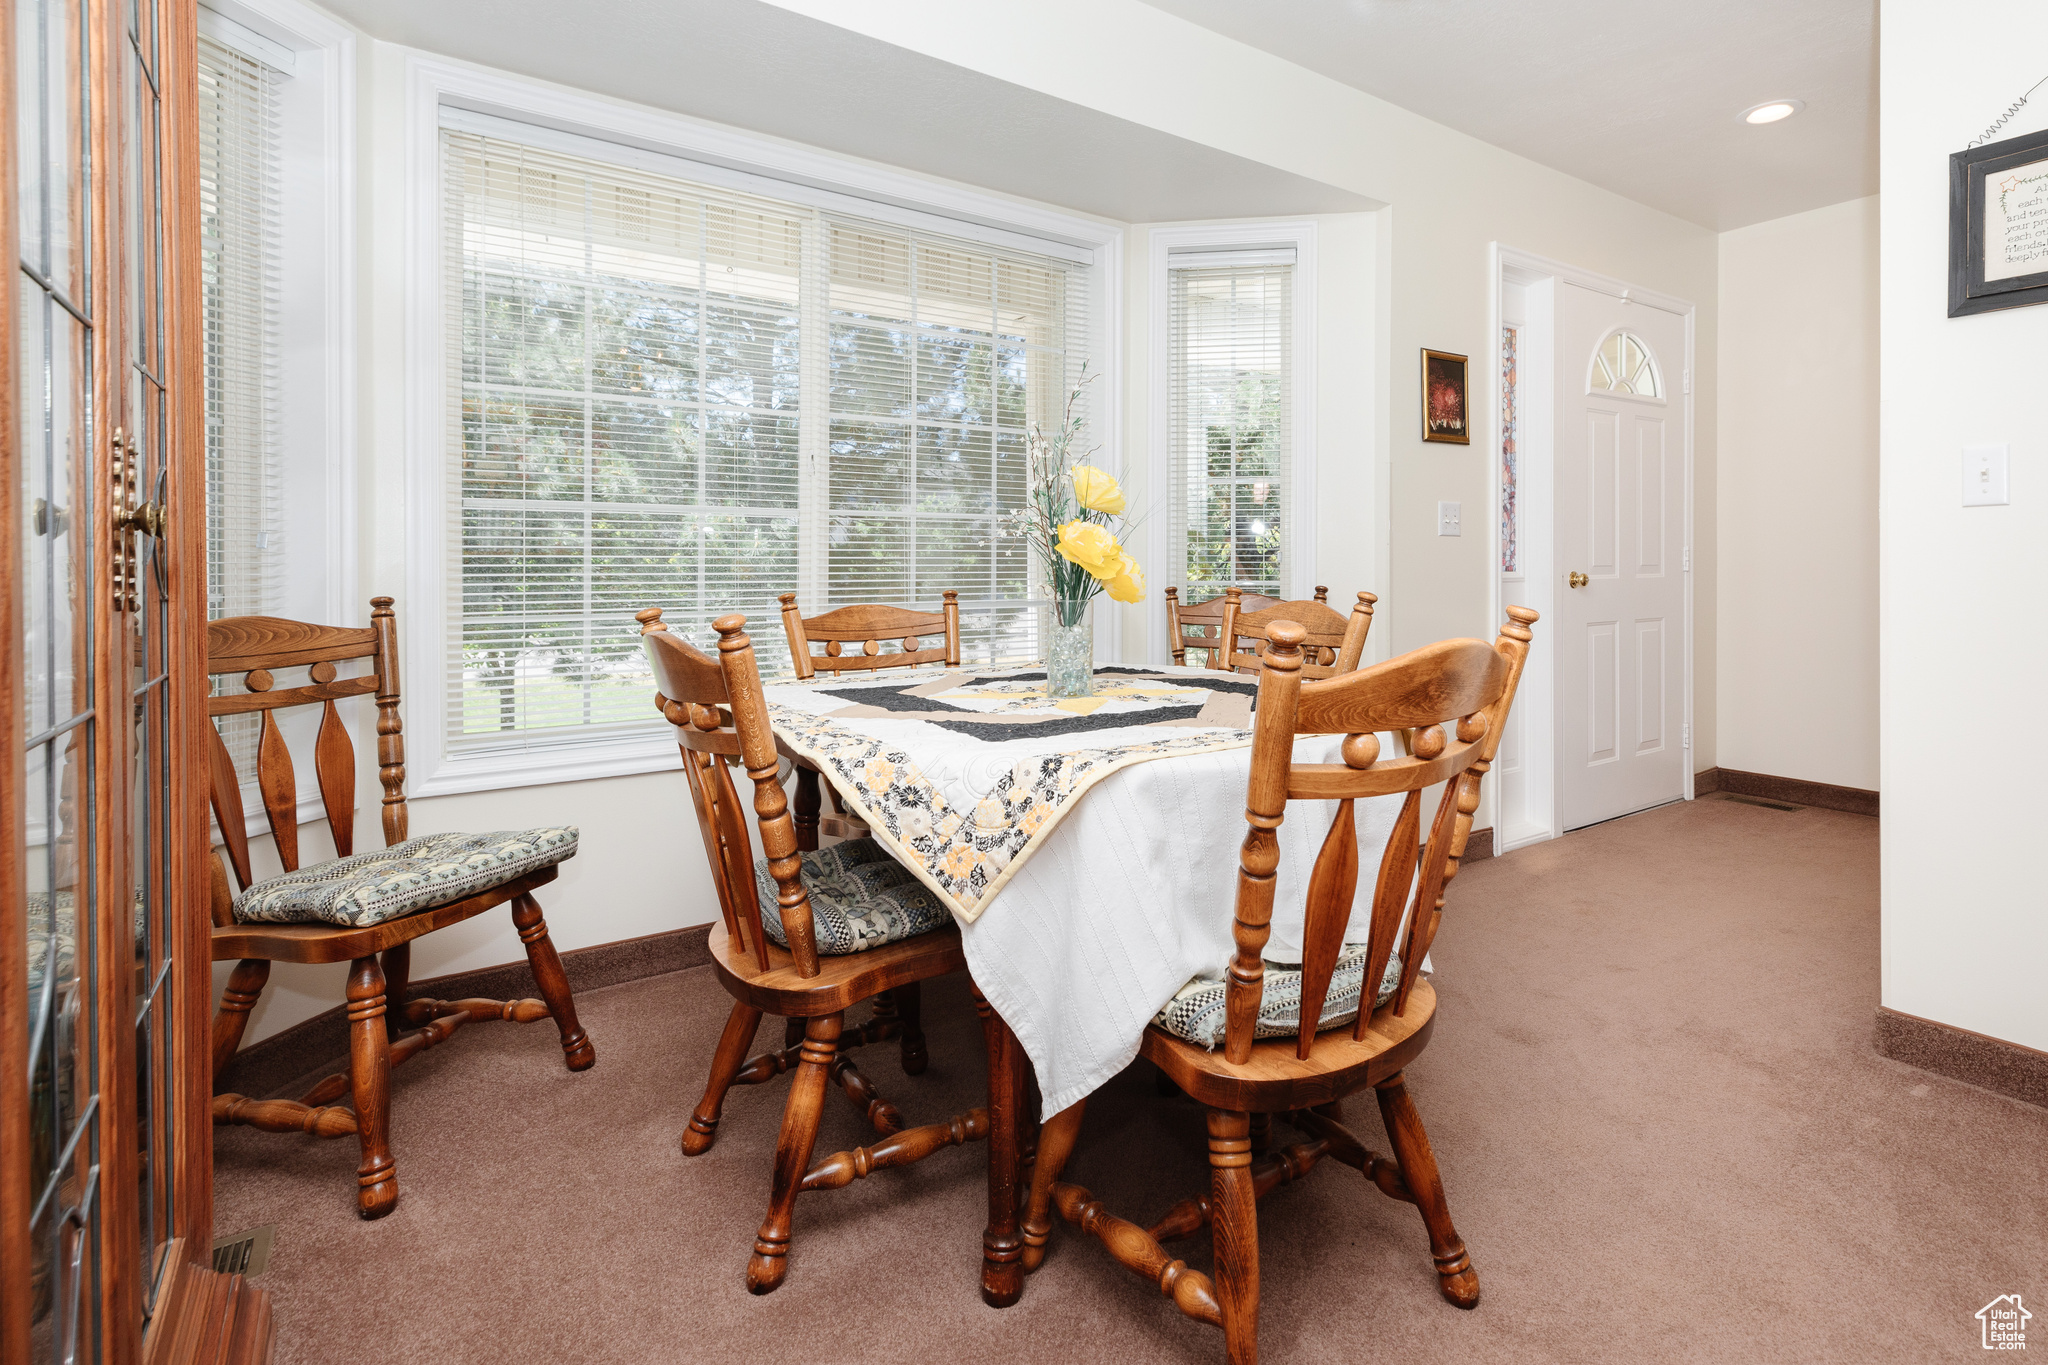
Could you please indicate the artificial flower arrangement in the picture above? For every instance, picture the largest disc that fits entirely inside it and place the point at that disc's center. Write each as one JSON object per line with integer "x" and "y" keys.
{"x": 1069, "y": 521}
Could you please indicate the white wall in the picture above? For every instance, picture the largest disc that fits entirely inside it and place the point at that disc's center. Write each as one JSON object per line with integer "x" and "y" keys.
{"x": 1412, "y": 275}
{"x": 1797, "y": 472}
{"x": 1961, "y": 662}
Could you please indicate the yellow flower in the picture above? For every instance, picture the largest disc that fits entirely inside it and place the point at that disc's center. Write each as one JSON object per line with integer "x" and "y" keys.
{"x": 1128, "y": 583}
{"x": 1090, "y": 546}
{"x": 1097, "y": 491}
{"x": 959, "y": 860}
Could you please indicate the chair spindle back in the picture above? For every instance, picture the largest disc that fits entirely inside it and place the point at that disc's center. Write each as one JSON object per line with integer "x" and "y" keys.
{"x": 1199, "y": 625}
{"x": 868, "y": 625}
{"x": 260, "y": 646}
{"x": 721, "y": 713}
{"x": 1467, "y": 684}
{"x": 1333, "y": 644}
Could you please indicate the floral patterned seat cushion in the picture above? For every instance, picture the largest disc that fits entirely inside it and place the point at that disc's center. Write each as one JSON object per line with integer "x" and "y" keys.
{"x": 860, "y": 898}
{"x": 435, "y": 869}
{"x": 1196, "y": 1011}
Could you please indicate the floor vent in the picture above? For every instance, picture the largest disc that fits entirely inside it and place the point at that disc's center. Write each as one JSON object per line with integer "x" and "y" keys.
{"x": 244, "y": 1253}
{"x": 1758, "y": 801}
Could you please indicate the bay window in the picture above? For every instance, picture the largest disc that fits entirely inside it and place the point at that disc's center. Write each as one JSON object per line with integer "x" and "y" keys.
{"x": 674, "y": 393}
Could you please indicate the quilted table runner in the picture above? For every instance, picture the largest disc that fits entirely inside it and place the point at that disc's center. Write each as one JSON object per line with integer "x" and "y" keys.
{"x": 962, "y": 775}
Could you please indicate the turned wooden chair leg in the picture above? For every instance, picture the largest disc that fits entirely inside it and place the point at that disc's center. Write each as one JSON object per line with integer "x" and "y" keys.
{"x": 1233, "y": 1218}
{"x": 397, "y": 977}
{"x": 554, "y": 986}
{"x": 1455, "y": 1277}
{"x": 1055, "y": 1145}
{"x": 245, "y": 987}
{"x": 770, "y": 1261}
{"x": 910, "y": 1008}
{"x": 805, "y": 815}
{"x": 740, "y": 1027}
{"x": 369, "y": 1068}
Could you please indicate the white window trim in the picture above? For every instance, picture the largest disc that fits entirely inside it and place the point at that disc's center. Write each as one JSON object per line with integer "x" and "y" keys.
{"x": 711, "y": 152}
{"x": 317, "y": 318}
{"x": 1180, "y": 240}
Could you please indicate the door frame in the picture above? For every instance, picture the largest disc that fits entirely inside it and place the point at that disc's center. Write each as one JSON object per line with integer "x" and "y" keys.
{"x": 1536, "y": 465}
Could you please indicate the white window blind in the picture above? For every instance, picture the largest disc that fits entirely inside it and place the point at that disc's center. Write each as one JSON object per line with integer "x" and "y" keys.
{"x": 941, "y": 355}
{"x": 667, "y": 393}
{"x": 240, "y": 249}
{"x": 1230, "y": 331}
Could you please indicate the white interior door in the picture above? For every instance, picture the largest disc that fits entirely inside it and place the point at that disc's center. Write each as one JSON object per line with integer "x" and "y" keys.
{"x": 1620, "y": 480}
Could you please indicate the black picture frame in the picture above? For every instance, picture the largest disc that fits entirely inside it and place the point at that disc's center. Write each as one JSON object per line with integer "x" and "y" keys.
{"x": 1970, "y": 175}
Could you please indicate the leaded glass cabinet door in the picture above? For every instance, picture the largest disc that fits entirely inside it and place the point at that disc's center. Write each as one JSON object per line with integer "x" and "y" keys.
{"x": 102, "y": 937}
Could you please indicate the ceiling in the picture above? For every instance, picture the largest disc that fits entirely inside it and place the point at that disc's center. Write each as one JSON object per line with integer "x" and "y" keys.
{"x": 793, "y": 77}
{"x": 1641, "y": 98}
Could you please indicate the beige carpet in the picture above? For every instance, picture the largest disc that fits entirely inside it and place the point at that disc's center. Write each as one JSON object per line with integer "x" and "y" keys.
{"x": 1662, "y": 1129}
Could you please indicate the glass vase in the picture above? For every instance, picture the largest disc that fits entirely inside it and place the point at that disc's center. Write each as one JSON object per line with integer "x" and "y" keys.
{"x": 1070, "y": 658}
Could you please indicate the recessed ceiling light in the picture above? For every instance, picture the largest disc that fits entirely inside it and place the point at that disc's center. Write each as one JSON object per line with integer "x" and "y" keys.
{"x": 1772, "y": 110}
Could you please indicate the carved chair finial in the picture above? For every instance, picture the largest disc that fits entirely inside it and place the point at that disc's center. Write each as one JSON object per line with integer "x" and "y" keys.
{"x": 731, "y": 633}
{"x": 1283, "y": 643}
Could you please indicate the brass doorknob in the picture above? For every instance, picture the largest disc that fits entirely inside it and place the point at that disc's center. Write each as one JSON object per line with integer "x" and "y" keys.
{"x": 1578, "y": 580}
{"x": 147, "y": 518}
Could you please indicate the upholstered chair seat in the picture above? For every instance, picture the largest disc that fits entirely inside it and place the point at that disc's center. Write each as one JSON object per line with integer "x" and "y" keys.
{"x": 435, "y": 869}
{"x": 1197, "y": 1014}
{"x": 860, "y": 898}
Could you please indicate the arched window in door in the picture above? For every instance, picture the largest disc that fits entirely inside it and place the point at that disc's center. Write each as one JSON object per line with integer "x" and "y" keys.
{"x": 1623, "y": 364}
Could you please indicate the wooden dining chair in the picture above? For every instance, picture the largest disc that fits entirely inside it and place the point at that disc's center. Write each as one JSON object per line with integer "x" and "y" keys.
{"x": 1284, "y": 1047}
{"x": 1199, "y": 625}
{"x": 364, "y": 909}
{"x": 1332, "y": 644}
{"x": 803, "y": 935}
{"x": 868, "y": 625}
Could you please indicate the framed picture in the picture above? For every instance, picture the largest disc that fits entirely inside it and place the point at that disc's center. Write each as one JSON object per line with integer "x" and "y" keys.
{"x": 1998, "y": 226}
{"x": 1443, "y": 398}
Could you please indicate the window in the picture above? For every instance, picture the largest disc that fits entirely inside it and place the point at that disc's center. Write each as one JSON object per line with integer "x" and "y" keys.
{"x": 240, "y": 240}
{"x": 669, "y": 393}
{"x": 1229, "y": 391}
{"x": 240, "y": 247}
{"x": 1623, "y": 364}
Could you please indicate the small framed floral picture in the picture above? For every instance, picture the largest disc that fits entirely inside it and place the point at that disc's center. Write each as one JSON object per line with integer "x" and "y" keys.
{"x": 1443, "y": 398}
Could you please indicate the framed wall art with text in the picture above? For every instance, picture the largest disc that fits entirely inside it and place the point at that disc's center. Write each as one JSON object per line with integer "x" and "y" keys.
{"x": 1998, "y": 226}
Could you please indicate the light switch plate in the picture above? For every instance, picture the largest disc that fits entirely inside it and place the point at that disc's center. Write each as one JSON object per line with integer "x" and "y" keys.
{"x": 1447, "y": 519}
{"x": 1984, "y": 476}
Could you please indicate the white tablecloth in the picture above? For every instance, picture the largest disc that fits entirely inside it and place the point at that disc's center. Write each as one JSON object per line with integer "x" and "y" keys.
{"x": 1130, "y": 895}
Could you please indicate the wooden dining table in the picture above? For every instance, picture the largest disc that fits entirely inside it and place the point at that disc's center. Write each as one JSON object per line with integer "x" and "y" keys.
{"x": 1086, "y": 846}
